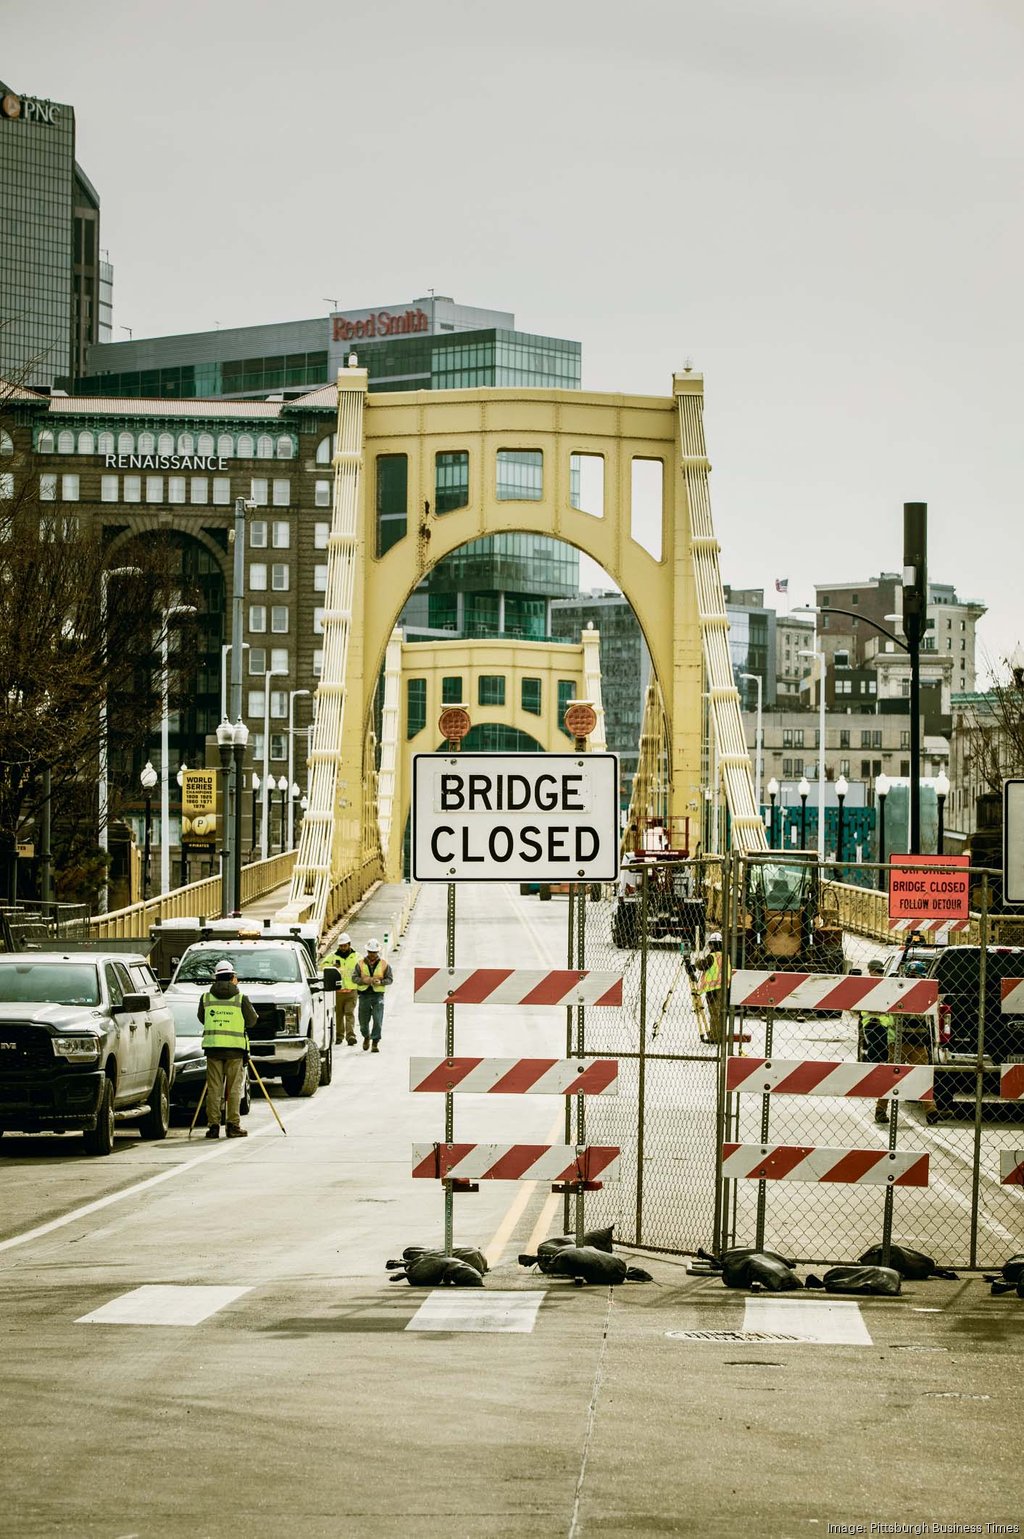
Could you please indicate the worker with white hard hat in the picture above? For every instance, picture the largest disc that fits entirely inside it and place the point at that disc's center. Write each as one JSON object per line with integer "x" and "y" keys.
{"x": 344, "y": 960}
{"x": 372, "y": 976}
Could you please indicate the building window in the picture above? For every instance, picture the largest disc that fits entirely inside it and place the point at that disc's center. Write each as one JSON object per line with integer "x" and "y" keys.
{"x": 104, "y": 443}
{"x": 126, "y": 443}
{"x": 258, "y": 577}
{"x": 257, "y": 618}
{"x": 325, "y": 450}
{"x": 279, "y": 619}
{"x": 451, "y": 481}
{"x": 186, "y": 443}
{"x": 154, "y": 488}
{"x": 264, "y": 447}
{"x": 787, "y": 769}
{"x": 280, "y": 662}
{"x": 204, "y": 444}
{"x": 285, "y": 448}
{"x": 876, "y": 739}
{"x": 520, "y": 475}
{"x": 321, "y": 534}
{"x": 490, "y": 689}
{"x": 531, "y": 696}
{"x": 257, "y": 661}
{"x": 225, "y": 446}
{"x": 904, "y": 766}
{"x": 199, "y": 490}
{"x": 66, "y": 442}
{"x": 6, "y": 485}
{"x": 147, "y": 443}
{"x": 221, "y": 490}
{"x": 415, "y": 706}
{"x": 904, "y": 739}
{"x": 278, "y": 704}
{"x": 318, "y": 622}
{"x": 320, "y": 579}
{"x": 258, "y": 493}
{"x": 798, "y": 737}
{"x": 86, "y": 442}
{"x": 47, "y": 488}
{"x": 175, "y": 488}
{"x": 257, "y": 702}
{"x": 165, "y": 443}
{"x": 787, "y": 737}
{"x": 865, "y": 740}
{"x": 258, "y": 534}
{"x": 108, "y": 488}
{"x": 318, "y": 662}
{"x": 798, "y": 766}
{"x": 844, "y": 740}
{"x": 282, "y": 493}
{"x": 566, "y": 692}
{"x": 282, "y": 534}
{"x": 844, "y": 766}
{"x": 322, "y": 494}
{"x": 278, "y": 751}
{"x": 7, "y": 443}
{"x": 451, "y": 689}
{"x": 392, "y": 495}
{"x": 246, "y": 447}
{"x": 279, "y": 577}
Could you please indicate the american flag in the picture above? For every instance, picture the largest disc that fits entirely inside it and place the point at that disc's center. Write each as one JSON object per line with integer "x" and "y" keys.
{"x": 782, "y": 584}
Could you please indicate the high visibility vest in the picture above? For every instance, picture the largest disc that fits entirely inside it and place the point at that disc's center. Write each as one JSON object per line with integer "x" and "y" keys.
{"x": 367, "y": 977}
{"x": 711, "y": 980}
{"x": 883, "y": 1019}
{"x": 224, "y": 1023}
{"x": 346, "y": 967}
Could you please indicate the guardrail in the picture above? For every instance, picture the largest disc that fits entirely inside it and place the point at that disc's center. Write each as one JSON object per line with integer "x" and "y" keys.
{"x": 197, "y": 898}
{"x": 348, "y": 890}
{"x": 865, "y": 911}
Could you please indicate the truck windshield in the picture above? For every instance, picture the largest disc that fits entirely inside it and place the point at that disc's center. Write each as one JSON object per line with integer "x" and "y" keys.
{"x": 780, "y": 886}
{"x": 260, "y": 965}
{"x": 49, "y": 983}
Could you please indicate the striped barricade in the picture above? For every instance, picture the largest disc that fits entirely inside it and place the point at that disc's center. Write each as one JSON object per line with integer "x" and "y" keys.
{"x": 1011, "y": 1081}
{"x": 938, "y": 929}
{"x": 1011, "y": 996}
{"x": 826, "y": 991}
{"x": 1011, "y": 1167}
{"x": 874, "y": 1081}
{"x": 516, "y": 1162}
{"x": 794, "y": 1162}
{"x": 515, "y": 1076}
{"x": 515, "y": 986}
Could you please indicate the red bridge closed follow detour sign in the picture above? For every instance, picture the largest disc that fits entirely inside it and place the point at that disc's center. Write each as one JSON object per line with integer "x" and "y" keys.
{"x": 929, "y": 887}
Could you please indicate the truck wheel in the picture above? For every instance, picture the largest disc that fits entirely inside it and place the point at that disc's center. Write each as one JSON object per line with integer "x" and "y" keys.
{"x": 327, "y": 1066}
{"x": 100, "y": 1139}
{"x": 158, "y": 1119}
{"x": 305, "y": 1081}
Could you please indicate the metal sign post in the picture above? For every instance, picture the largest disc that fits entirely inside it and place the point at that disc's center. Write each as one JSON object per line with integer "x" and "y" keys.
{"x": 454, "y": 723}
{"x": 580, "y": 719}
{"x": 1013, "y": 841}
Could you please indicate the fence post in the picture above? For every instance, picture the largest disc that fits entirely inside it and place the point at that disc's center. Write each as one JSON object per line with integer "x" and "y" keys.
{"x": 642, "y": 1067}
{"x": 766, "y": 1101}
{"x": 983, "y": 926}
{"x": 730, "y": 865}
{"x": 570, "y": 962}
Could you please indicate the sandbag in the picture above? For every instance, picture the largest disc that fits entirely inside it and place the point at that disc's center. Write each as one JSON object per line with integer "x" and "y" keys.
{"x": 588, "y": 1264}
{"x": 1009, "y": 1273}
{"x": 858, "y": 1279}
{"x": 912, "y": 1265}
{"x": 433, "y": 1269}
{"x": 736, "y": 1254}
{"x": 596, "y": 1239}
{"x": 759, "y": 1270}
{"x": 467, "y": 1253}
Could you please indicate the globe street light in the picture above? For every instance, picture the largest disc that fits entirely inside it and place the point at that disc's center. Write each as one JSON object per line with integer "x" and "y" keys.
{"x": 282, "y": 786}
{"x": 148, "y": 779}
{"x": 773, "y": 791}
{"x": 255, "y": 794}
{"x": 238, "y": 747}
{"x": 941, "y": 792}
{"x": 842, "y": 786}
{"x": 881, "y": 791}
{"x": 804, "y": 789}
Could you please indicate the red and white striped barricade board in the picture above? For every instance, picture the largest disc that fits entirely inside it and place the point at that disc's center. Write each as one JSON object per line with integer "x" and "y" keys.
{"x": 1011, "y": 1167}
{"x": 937, "y": 929}
{"x": 515, "y": 1076}
{"x": 877, "y": 1081}
{"x": 1011, "y": 1081}
{"x": 514, "y": 986}
{"x": 516, "y": 1162}
{"x": 832, "y": 991}
{"x": 1011, "y": 993}
{"x": 792, "y": 1162}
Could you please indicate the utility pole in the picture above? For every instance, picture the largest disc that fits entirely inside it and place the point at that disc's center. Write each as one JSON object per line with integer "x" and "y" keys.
{"x": 915, "y": 614}
{"x": 233, "y": 776}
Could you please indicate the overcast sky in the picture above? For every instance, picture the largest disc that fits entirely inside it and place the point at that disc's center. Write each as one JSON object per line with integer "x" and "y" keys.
{"x": 817, "y": 201}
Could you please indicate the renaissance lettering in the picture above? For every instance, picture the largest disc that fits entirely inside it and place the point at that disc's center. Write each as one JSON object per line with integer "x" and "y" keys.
{"x": 164, "y": 462}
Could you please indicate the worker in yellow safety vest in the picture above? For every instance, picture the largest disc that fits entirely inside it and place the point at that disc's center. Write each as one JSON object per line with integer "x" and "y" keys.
{"x": 226, "y": 1016}
{"x": 878, "y": 1032}
{"x": 372, "y": 976}
{"x": 345, "y": 960}
{"x": 709, "y": 986}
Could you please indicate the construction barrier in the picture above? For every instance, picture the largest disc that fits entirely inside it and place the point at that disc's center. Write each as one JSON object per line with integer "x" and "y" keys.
{"x": 515, "y": 1076}
{"x": 816, "y": 1076}
{"x": 515, "y": 1162}
{"x": 514, "y": 986}
{"x": 792, "y": 1162}
{"x": 931, "y": 929}
{"x": 1011, "y": 996}
{"x": 1011, "y": 1081}
{"x": 823, "y": 991}
{"x": 1011, "y": 1167}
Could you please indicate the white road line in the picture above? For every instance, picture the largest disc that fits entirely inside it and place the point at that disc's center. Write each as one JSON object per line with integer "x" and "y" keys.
{"x": 163, "y": 1304}
{"x": 836, "y": 1323}
{"x": 451, "y": 1309}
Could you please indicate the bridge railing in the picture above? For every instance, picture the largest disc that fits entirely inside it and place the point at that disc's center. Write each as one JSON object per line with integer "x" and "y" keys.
{"x": 197, "y": 898}
{"x": 348, "y": 889}
{"x": 865, "y": 911}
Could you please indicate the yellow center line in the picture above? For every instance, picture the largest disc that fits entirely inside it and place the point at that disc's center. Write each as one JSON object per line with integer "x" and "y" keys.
{"x": 494, "y": 1250}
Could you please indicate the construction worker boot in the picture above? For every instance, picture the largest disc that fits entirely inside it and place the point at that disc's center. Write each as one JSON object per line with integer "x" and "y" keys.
{"x": 213, "y": 1132}
{"x": 235, "y": 1131}
{"x": 366, "y": 1044}
{"x": 374, "y": 1047}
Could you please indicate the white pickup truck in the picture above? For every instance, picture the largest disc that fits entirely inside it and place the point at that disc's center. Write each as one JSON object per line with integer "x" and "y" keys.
{"x": 293, "y": 1039}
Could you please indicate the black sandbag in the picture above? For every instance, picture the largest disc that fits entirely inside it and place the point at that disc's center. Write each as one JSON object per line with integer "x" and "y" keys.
{"x": 467, "y": 1253}
{"x": 1010, "y": 1272}
{"x": 432, "y": 1269}
{"x": 912, "y": 1265}
{"x": 759, "y": 1270}
{"x": 588, "y": 1264}
{"x": 596, "y": 1239}
{"x": 738, "y": 1253}
{"x": 858, "y": 1279}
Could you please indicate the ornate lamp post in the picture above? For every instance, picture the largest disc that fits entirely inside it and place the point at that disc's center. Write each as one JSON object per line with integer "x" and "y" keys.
{"x": 180, "y": 778}
{"x": 255, "y": 795}
{"x": 941, "y": 792}
{"x": 804, "y": 789}
{"x": 148, "y": 779}
{"x": 773, "y": 791}
{"x": 283, "y": 787}
{"x": 881, "y": 791}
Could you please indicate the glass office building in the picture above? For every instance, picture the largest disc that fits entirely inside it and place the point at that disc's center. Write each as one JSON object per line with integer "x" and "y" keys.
{"x": 49, "y": 243}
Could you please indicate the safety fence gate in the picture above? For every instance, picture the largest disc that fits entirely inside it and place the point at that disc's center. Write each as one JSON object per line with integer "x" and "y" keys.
{"x": 857, "y": 1088}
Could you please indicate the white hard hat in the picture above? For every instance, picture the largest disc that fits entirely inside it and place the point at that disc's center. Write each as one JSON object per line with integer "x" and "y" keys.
{"x": 344, "y": 940}
{"x": 373, "y": 945}
{"x": 224, "y": 969}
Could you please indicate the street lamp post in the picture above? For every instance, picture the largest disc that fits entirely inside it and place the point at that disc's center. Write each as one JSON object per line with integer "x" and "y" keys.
{"x": 293, "y": 695}
{"x": 758, "y": 736}
{"x": 819, "y": 655}
{"x": 284, "y": 787}
{"x": 293, "y": 802}
{"x": 267, "y": 781}
{"x": 165, "y": 790}
{"x": 148, "y": 778}
{"x": 941, "y": 792}
{"x": 842, "y": 786}
{"x": 255, "y": 794}
{"x": 238, "y": 747}
{"x": 225, "y": 737}
{"x": 224, "y": 702}
{"x": 103, "y": 776}
{"x": 915, "y": 608}
{"x": 180, "y": 778}
{"x": 881, "y": 792}
{"x": 804, "y": 789}
{"x": 773, "y": 791}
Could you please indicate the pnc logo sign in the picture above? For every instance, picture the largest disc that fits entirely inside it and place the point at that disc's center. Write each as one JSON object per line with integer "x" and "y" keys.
{"x": 381, "y": 323}
{"x": 29, "y": 109}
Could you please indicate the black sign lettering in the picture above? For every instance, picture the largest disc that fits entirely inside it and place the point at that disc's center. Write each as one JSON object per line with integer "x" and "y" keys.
{"x": 435, "y": 851}
{"x": 451, "y": 793}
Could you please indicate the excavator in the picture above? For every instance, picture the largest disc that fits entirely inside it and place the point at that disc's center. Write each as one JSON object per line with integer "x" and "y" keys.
{"x": 789, "y": 920}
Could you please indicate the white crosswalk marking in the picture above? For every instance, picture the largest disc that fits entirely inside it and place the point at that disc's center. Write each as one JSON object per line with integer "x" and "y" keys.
{"x": 163, "y": 1304}
{"x": 835, "y": 1323}
{"x": 451, "y": 1309}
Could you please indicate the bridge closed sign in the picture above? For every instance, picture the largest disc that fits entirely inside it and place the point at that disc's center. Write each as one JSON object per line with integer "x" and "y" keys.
{"x": 929, "y": 887}
{"x": 536, "y": 817}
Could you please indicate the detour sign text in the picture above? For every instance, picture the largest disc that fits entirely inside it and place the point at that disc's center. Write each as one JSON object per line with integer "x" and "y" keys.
{"x": 929, "y": 887}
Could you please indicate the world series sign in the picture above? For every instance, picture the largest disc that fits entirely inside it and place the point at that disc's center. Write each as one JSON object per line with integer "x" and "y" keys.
{"x": 538, "y": 817}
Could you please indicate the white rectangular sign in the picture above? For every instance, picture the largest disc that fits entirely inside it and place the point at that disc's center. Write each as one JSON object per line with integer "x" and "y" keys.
{"x": 518, "y": 817}
{"x": 1013, "y": 841}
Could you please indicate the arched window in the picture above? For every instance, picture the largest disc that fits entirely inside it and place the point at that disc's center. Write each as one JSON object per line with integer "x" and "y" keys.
{"x": 285, "y": 448}
{"x": 87, "y": 441}
{"x": 245, "y": 446}
{"x": 6, "y": 443}
{"x": 147, "y": 443}
{"x": 65, "y": 441}
{"x": 126, "y": 443}
{"x": 265, "y": 447}
{"x": 225, "y": 445}
{"x": 186, "y": 443}
{"x": 204, "y": 443}
{"x": 325, "y": 450}
{"x": 165, "y": 443}
{"x": 105, "y": 443}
